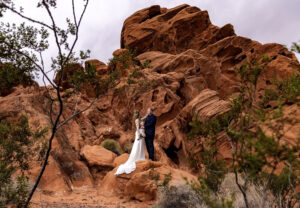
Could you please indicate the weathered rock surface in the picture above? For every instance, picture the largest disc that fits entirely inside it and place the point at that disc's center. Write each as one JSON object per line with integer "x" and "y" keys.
{"x": 98, "y": 156}
{"x": 121, "y": 159}
{"x": 191, "y": 73}
{"x": 204, "y": 106}
{"x": 67, "y": 75}
{"x": 101, "y": 67}
{"x": 171, "y": 30}
{"x": 142, "y": 183}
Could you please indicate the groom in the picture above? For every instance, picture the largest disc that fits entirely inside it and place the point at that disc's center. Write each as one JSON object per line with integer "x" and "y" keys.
{"x": 149, "y": 125}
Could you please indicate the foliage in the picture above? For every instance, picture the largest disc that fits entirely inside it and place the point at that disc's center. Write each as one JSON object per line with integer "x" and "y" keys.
{"x": 11, "y": 77}
{"x": 17, "y": 145}
{"x": 17, "y": 44}
{"x": 210, "y": 128}
{"x": 146, "y": 64}
{"x": 256, "y": 154}
{"x": 215, "y": 170}
{"x": 83, "y": 79}
{"x": 155, "y": 176}
{"x": 112, "y": 145}
{"x": 167, "y": 179}
{"x": 145, "y": 85}
{"x": 295, "y": 47}
{"x": 124, "y": 60}
{"x": 287, "y": 90}
{"x": 210, "y": 199}
{"x": 178, "y": 197}
{"x": 133, "y": 75}
{"x": 127, "y": 147}
{"x": 24, "y": 46}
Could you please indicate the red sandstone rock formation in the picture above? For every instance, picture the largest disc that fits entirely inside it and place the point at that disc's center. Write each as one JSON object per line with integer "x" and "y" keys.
{"x": 191, "y": 73}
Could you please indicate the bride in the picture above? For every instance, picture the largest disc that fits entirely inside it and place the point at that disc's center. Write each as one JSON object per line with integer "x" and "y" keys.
{"x": 138, "y": 149}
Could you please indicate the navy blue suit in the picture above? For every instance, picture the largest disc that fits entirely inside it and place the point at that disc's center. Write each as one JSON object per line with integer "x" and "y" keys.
{"x": 150, "y": 123}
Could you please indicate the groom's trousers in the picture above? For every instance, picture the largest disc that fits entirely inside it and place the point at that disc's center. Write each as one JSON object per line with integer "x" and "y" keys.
{"x": 150, "y": 147}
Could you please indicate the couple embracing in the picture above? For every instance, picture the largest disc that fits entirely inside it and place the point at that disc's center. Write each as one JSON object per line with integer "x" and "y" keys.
{"x": 144, "y": 135}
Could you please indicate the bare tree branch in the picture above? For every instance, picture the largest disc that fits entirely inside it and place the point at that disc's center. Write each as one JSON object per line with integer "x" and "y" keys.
{"x": 290, "y": 181}
{"x": 77, "y": 29}
{"x": 75, "y": 114}
{"x": 55, "y": 33}
{"x": 56, "y": 124}
{"x": 27, "y": 18}
{"x": 74, "y": 14}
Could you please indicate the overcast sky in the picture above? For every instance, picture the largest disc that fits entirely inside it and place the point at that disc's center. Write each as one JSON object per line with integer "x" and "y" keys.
{"x": 263, "y": 20}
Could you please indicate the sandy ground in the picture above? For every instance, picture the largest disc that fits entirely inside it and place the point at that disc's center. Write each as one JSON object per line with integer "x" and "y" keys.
{"x": 83, "y": 198}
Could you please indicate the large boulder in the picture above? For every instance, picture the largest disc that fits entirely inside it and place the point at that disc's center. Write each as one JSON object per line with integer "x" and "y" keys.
{"x": 121, "y": 159}
{"x": 53, "y": 180}
{"x": 100, "y": 67}
{"x": 97, "y": 155}
{"x": 76, "y": 171}
{"x": 142, "y": 183}
{"x": 66, "y": 77}
{"x": 171, "y": 30}
{"x": 203, "y": 107}
{"x": 214, "y": 67}
{"x": 234, "y": 51}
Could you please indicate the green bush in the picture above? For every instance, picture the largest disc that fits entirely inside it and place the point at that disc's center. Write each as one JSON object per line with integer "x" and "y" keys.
{"x": 146, "y": 64}
{"x": 252, "y": 148}
{"x": 88, "y": 79}
{"x": 287, "y": 90}
{"x": 16, "y": 145}
{"x": 127, "y": 147}
{"x": 112, "y": 145}
{"x": 10, "y": 77}
{"x": 124, "y": 59}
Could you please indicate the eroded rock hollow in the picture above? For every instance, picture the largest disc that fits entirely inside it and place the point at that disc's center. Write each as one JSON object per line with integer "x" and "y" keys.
{"x": 190, "y": 73}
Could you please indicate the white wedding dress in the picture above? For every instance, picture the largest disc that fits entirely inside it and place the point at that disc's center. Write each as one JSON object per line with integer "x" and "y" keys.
{"x": 137, "y": 152}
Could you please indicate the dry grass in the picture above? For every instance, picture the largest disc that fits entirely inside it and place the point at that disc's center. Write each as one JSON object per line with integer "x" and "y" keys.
{"x": 254, "y": 193}
{"x": 184, "y": 197}
{"x": 178, "y": 197}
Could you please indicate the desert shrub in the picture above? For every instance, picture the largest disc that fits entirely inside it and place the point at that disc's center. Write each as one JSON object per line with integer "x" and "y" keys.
{"x": 178, "y": 197}
{"x": 256, "y": 155}
{"x": 209, "y": 198}
{"x": 133, "y": 75}
{"x": 112, "y": 145}
{"x": 167, "y": 179}
{"x": 215, "y": 170}
{"x": 17, "y": 146}
{"x": 287, "y": 90}
{"x": 145, "y": 65}
{"x": 295, "y": 47}
{"x": 211, "y": 127}
{"x": 124, "y": 59}
{"x": 127, "y": 147}
{"x": 82, "y": 77}
{"x": 154, "y": 175}
{"x": 145, "y": 85}
{"x": 254, "y": 192}
{"x": 10, "y": 76}
{"x": 88, "y": 79}
{"x": 113, "y": 75}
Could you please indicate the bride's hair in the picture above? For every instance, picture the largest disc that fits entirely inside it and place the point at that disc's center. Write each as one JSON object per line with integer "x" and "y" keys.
{"x": 136, "y": 115}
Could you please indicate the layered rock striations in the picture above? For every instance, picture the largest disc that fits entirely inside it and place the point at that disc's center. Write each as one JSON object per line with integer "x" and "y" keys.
{"x": 190, "y": 73}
